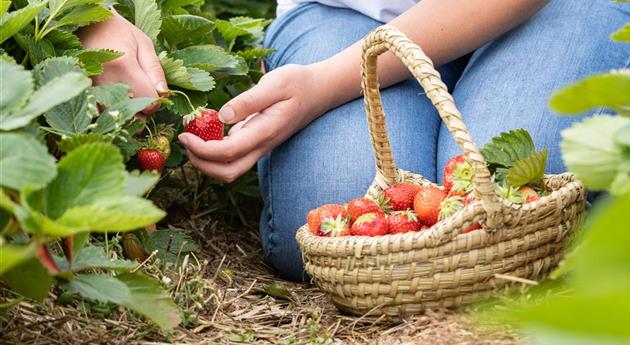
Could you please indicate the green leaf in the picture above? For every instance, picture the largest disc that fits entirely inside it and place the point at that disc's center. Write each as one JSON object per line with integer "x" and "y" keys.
{"x": 94, "y": 257}
{"x": 184, "y": 27}
{"x": 63, "y": 40}
{"x": 30, "y": 279}
{"x": 11, "y": 23}
{"x": 610, "y": 90}
{"x": 185, "y": 77}
{"x": 528, "y": 170}
{"x": 4, "y": 6}
{"x": 148, "y": 17}
{"x": 114, "y": 117}
{"x": 589, "y": 150}
{"x": 622, "y": 136}
{"x": 149, "y": 300}
{"x": 110, "y": 94}
{"x": 12, "y": 255}
{"x": 207, "y": 57}
{"x": 116, "y": 213}
{"x": 17, "y": 172}
{"x": 16, "y": 85}
{"x": 229, "y": 31}
{"x": 509, "y": 147}
{"x": 55, "y": 67}
{"x": 168, "y": 243}
{"x": 56, "y": 91}
{"x": 83, "y": 15}
{"x": 86, "y": 175}
{"x": 68, "y": 144}
{"x": 254, "y": 53}
{"x": 92, "y": 59}
{"x": 139, "y": 183}
{"x": 622, "y": 35}
{"x": 99, "y": 287}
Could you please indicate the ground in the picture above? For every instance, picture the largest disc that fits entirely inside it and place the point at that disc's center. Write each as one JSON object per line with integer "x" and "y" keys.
{"x": 232, "y": 296}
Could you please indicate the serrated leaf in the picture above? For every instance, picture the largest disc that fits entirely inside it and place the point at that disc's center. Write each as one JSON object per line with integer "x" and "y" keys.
{"x": 92, "y": 59}
{"x": 83, "y": 15}
{"x": 68, "y": 144}
{"x": 138, "y": 183}
{"x": 54, "y": 92}
{"x": 185, "y": 77}
{"x": 16, "y": 85}
{"x": 114, "y": 117}
{"x": 110, "y": 94}
{"x": 622, "y": 35}
{"x": 11, "y": 23}
{"x": 38, "y": 49}
{"x": 99, "y": 287}
{"x": 63, "y": 40}
{"x": 115, "y": 213}
{"x": 12, "y": 255}
{"x": 528, "y": 170}
{"x": 229, "y": 31}
{"x": 207, "y": 57}
{"x": 254, "y": 53}
{"x": 86, "y": 175}
{"x": 148, "y": 17}
{"x": 184, "y": 27}
{"x": 17, "y": 172}
{"x": 610, "y": 90}
{"x": 589, "y": 150}
{"x": 55, "y": 67}
{"x": 94, "y": 257}
{"x": 509, "y": 147}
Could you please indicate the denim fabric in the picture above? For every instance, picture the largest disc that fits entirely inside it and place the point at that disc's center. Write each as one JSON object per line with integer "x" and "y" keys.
{"x": 503, "y": 85}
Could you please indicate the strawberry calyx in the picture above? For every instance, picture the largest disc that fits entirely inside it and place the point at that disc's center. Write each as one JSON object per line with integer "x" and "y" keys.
{"x": 450, "y": 206}
{"x": 509, "y": 193}
{"x": 335, "y": 227}
{"x": 462, "y": 178}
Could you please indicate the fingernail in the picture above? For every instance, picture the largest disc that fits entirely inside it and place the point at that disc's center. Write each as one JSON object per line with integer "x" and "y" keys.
{"x": 226, "y": 114}
{"x": 182, "y": 139}
{"x": 161, "y": 87}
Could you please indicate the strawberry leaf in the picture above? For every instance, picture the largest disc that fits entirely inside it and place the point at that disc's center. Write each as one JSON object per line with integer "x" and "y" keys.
{"x": 185, "y": 77}
{"x": 12, "y": 255}
{"x": 4, "y": 6}
{"x": 622, "y": 35}
{"x": 207, "y": 57}
{"x": 114, "y": 117}
{"x": 184, "y": 28}
{"x": 92, "y": 59}
{"x": 110, "y": 94}
{"x": 148, "y": 17}
{"x": 68, "y": 144}
{"x": 83, "y": 15}
{"x": 29, "y": 279}
{"x": 139, "y": 183}
{"x": 509, "y": 147}
{"x": 12, "y": 22}
{"x": 528, "y": 170}
{"x": 608, "y": 89}
{"x": 94, "y": 257}
{"x": 17, "y": 172}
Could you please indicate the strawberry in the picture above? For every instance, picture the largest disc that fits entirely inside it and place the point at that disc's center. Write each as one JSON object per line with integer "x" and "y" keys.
{"x": 457, "y": 176}
{"x": 427, "y": 204}
{"x": 151, "y": 159}
{"x": 315, "y": 217}
{"x": 361, "y": 206}
{"x": 335, "y": 227}
{"x": 370, "y": 224}
{"x": 205, "y": 124}
{"x": 452, "y": 205}
{"x": 163, "y": 145}
{"x": 509, "y": 193}
{"x": 403, "y": 221}
{"x": 401, "y": 195}
{"x": 529, "y": 194}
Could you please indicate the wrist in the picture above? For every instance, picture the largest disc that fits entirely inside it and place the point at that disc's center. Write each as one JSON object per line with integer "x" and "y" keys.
{"x": 335, "y": 82}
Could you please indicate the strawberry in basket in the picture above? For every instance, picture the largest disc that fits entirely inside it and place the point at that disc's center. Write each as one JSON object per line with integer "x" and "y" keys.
{"x": 328, "y": 220}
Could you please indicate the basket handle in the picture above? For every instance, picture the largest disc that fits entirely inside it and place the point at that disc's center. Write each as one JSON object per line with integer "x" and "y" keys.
{"x": 386, "y": 38}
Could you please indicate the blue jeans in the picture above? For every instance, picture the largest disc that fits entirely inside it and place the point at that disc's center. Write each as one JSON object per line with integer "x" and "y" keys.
{"x": 503, "y": 85}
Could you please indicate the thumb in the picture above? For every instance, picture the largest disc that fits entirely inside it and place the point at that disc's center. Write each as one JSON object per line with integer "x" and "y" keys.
{"x": 150, "y": 64}
{"x": 255, "y": 100}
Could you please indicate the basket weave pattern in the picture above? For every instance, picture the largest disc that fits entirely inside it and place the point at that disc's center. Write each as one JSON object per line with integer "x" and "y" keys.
{"x": 403, "y": 274}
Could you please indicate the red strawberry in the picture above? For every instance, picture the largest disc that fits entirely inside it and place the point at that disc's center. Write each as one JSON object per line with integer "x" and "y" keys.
{"x": 427, "y": 204}
{"x": 370, "y": 224}
{"x": 151, "y": 159}
{"x": 403, "y": 221}
{"x": 529, "y": 194}
{"x": 457, "y": 176}
{"x": 401, "y": 195}
{"x": 335, "y": 227}
{"x": 315, "y": 217}
{"x": 361, "y": 206}
{"x": 205, "y": 124}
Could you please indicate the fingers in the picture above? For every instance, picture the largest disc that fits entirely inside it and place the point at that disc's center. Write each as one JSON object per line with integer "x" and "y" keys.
{"x": 225, "y": 172}
{"x": 269, "y": 90}
{"x": 150, "y": 63}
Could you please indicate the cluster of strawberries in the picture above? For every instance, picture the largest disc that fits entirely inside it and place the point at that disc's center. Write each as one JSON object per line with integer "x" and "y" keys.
{"x": 405, "y": 207}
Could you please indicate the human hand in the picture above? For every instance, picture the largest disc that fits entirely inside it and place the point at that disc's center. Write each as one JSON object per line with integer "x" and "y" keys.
{"x": 284, "y": 101}
{"x": 139, "y": 66}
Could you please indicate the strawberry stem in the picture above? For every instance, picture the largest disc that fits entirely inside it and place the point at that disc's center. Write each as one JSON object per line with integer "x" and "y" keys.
{"x": 177, "y": 92}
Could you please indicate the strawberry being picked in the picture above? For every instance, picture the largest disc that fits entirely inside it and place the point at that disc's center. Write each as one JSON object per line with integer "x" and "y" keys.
{"x": 457, "y": 176}
{"x": 316, "y": 217}
{"x": 427, "y": 204}
{"x": 370, "y": 224}
{"x": 361, "y": 206}
{"x": 403, "y": 221}
{"x": 400, "y": 195}
{"x": 151, "y": 159}
{"x": 205, "y": 124}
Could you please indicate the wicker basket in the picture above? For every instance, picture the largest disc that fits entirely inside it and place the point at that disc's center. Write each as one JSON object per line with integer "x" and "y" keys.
{"x": 403, "y": 274}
